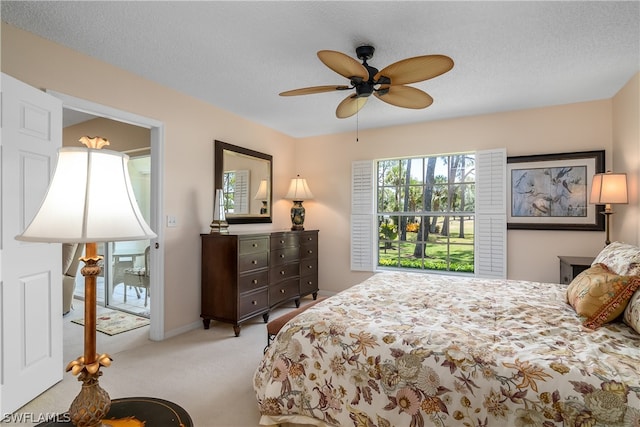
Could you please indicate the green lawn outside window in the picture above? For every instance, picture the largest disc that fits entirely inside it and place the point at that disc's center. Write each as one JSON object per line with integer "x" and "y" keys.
{"x": 426, "y": 213}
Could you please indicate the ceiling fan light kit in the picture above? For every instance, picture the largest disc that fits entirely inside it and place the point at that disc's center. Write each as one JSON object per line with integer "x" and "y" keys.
{"x": 387, "y": 84}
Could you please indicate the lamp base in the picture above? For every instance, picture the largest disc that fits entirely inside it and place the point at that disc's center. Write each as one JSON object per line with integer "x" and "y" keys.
{"x": 92, "y": 404}
{"x": 297, "y": 216}
{"x": 607, "y": 214}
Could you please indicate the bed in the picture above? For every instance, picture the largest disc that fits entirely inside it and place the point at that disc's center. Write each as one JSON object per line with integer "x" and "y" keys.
{"x": 414, "y": 349}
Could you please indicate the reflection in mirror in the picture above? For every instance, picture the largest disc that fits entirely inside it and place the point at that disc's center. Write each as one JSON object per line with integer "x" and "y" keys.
{"x": 245, "y": 177}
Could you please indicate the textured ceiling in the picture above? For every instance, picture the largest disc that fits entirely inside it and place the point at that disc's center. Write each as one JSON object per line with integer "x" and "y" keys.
{"x": 239, "y": 55}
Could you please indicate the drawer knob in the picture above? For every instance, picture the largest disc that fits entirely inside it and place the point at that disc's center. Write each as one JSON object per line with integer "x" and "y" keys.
{"x": 254, "y": 281}
{"x": 309, "y": 251}
{"x": 254, "y": 302}
{"x": 309, "y": 282}
{"x": 310, "y": 267}
{"x": 282, "y": 291}
{"x": 281, "y": 255}
{"x": 255, "y": 261}
{"x": 282, "y": 272}
{"x": 282, "y": 242}
{"x": 255, "y": 245}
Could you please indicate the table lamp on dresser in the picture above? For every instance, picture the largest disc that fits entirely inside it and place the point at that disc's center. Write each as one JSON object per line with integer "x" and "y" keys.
{"x": 298, "y": 192}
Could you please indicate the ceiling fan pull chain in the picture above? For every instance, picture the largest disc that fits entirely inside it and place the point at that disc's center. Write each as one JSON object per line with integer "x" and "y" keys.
{"x": 357, "y": 125}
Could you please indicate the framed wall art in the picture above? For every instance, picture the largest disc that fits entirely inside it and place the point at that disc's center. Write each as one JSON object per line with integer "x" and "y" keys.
{"x": 551, "y": 191}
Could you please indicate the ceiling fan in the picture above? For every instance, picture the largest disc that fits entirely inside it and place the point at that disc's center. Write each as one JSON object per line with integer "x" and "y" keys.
{"x": 387, "y": 84}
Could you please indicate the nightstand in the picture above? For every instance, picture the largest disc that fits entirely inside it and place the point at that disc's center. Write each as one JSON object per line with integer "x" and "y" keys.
{"x": 571, "y": 266}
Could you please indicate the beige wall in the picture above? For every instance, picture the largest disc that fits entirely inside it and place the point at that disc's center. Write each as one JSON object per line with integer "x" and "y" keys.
{"x": 626, "y": 158}
{"x": 326, "y": 163}
{"x": 191, "y": 126}
{"x": 190, "y": 129}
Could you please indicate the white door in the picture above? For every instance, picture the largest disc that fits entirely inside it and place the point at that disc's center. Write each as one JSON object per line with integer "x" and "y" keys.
{"x": 30, "y": 273}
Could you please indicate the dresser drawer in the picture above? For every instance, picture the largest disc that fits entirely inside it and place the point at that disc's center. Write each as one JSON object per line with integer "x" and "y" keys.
{"x": 308, "y": 284}
{"x": 253, "y": 281}
{"x": 309, "y": 266}
{"x": 309, "y": 237}
{"x": 284, "y": 272}
{"x": 284, "y": 255}
{"x": 253, "y": 245}
{"x": 252, "y": 303}
{"x": 285, "y": 240}
{"x": 253, "y": 261}
{"x": 283, "y": 291}
{"x": 309, "y": 250}
{"x": 309, "y": 244}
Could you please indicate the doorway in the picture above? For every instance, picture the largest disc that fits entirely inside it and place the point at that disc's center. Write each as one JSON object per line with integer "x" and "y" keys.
{"x": 124, "y": 283}
{"x": 152, "y": 148}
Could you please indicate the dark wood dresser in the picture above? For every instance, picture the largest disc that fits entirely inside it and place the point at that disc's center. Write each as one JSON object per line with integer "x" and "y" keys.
{"x": 245, "y": 275}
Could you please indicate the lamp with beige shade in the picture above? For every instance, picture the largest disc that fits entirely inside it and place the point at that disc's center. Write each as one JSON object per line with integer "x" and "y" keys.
{"x": 607, "y": 189}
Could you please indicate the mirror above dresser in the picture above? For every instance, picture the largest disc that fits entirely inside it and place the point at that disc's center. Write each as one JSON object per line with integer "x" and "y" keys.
{"x": 245, "y": 177}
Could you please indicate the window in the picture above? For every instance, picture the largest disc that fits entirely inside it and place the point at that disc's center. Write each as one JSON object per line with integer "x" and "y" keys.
{"x": 228, "y": 189}
{"x": 489, "y": 223}
{"x": 425, "y": 211}
{"x": 235, "y": 187}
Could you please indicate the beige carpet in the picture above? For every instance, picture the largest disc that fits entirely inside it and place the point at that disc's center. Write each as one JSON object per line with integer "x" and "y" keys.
{"x": 116, "y": 322}
{"x": 207, "y": 372}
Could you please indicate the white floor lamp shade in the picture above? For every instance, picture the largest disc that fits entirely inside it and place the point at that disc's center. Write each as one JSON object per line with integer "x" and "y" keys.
{"x": 90, "y": 199}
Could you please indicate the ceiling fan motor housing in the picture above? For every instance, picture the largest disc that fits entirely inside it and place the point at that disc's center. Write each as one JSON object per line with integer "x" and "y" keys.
{"x": 365, "y": 88}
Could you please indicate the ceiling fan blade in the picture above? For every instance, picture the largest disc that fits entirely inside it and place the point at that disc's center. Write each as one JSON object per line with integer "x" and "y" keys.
{"x": 405, "y": 96}
{"x": 416, "y": 69}
{"x": 342, "y": 64}
{"x": 349, "y": 106}
{"x": 313, "y": 89}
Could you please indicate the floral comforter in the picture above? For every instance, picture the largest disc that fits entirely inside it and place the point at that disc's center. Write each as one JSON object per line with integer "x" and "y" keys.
{"x": 411, "y": 349}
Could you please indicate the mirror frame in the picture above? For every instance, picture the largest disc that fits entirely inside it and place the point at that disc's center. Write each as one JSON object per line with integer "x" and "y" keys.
{"x": 220, "y": 148}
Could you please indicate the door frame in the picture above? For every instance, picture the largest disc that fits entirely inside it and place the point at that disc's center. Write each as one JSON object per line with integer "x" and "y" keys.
{"x": 156, "y": 330}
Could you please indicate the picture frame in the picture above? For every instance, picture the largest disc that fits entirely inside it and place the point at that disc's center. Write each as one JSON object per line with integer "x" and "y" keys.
{"x": 551, "y": 191}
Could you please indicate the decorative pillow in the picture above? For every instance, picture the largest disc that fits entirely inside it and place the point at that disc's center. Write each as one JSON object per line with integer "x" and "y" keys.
{"x": 599, "y": 295}
{"x": 632, "y": 312}
{"x": 621, "y": 258}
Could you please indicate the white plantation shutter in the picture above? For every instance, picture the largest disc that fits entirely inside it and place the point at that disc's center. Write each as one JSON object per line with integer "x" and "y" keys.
{"x": 491, "y": 214}
{"x": 363, "y": 239}
{"x": 241, "y": 192}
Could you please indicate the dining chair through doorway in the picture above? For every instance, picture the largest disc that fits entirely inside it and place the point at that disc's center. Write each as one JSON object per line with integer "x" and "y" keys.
{"x": 138, "y": 277}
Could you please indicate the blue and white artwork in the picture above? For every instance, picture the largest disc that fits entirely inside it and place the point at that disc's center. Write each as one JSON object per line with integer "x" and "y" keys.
{"x": 549, "y": 192}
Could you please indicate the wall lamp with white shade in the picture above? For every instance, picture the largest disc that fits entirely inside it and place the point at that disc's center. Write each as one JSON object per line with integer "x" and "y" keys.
{"x": 89, "y": 200}
{"x": 607, "y": 189}
{"x": 298, "y": 192}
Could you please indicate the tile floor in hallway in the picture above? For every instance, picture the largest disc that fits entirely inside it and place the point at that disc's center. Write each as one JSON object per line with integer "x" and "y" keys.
{"x": 135, "y": 298}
